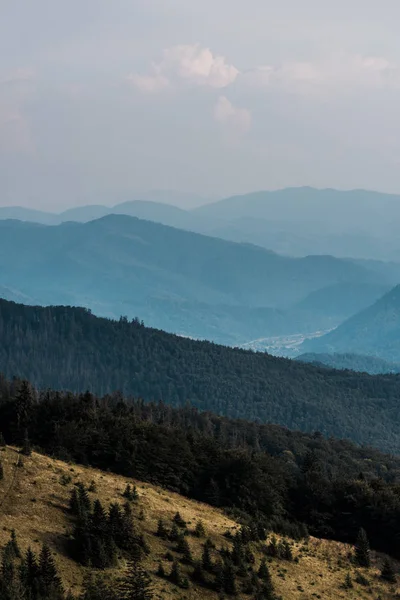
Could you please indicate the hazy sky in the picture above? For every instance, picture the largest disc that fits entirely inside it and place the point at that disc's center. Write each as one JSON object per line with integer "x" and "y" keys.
{"x": 100, "y": 99}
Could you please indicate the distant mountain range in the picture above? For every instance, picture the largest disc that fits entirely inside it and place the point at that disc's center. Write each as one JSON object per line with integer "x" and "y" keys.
{"x": 293, "y": 221}
{"x": 181, "y": 281}
{"x": 375, "y": 331}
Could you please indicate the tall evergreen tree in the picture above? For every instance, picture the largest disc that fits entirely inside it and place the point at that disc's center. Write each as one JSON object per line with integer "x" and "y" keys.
{"x": 206, "y": 560}
{"x": 388, "y": 572}
{"x": 362, "y": 551}
{"x": 26, "y": 444}
{"x": 49, "y": 582}
{"x": 136, "y": 585}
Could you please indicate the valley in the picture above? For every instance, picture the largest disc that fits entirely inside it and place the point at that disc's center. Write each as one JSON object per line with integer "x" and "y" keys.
{"x": 287, "y": 345}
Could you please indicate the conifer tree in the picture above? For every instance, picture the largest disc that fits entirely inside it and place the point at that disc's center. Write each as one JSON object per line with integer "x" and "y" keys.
{"x": 219, "y": 577}
{"x": 85, "y": 505}
{"x": 174, "y": 533}
{"x": 272, "y": 548}
{"x": 184, "y": 549}
{"x": 175, "y": 575}
{"x": 362, "y": 550}
{"x": 2, "y": 440}
{"x": 161, "y": 530}
{"x": 74, "y": 505}
{"x": 229, "y": 578}
{"x": 179, "y": 521}
{"x": 160, "y": 570}
{"x": 206, "y": 560}
{"x": 387, "y": 572}
{"x": 263, "y": 571}
{"x": 198, "y": 573}
{"x": 199, "y": 530}
{"x": 348, "y": 582}
{"x": 29, "y": 572}
{"x": 96, "y": 588}
{"x": 49, "y": 581}
{"x": 131, "y": 493}
{"x": 26, "y": 445}
{"x": 14, "y": 544}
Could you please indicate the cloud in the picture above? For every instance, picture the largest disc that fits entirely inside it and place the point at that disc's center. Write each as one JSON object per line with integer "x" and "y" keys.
{"x": 340, "y": 71}
{"x": 186, "y": 63}
{"x": 238, "y": 119}
{"x": 149, "y": 83}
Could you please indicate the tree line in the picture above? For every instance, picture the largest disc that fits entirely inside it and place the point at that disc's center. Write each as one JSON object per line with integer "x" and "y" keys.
{"x": 286, "y": 481}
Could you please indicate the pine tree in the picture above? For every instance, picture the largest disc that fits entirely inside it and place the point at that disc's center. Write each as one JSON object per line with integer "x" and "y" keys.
{"x": 161, "y": 530}
{"x": 2, "y": 440}
{"x": 174, "y": 534}
{"x": 26, "y": 445}
{"x": 184, "y": 549}
{"x": 263, "y": 571}
{"x": 198, "y": 573}
{"x": 29, "y": 574}
{"x": 160, "y": 570}
{"x": 74, "y": 505}
{"x": 387, "y": 572}
{"x": 362, "y": 551}
{"x": 272, "y": 548}
{"x": 85, "y": 505}
{"x": 14, "y": 544}
{"x": 199, "y": 530}
{"x": 348, "y": 582}
{"x": 96, "y": 588}
{"x": 136, "y": 585}
{"x": 175, "y": 575}
{"x": 131, "y": 493}
{"x": 285, "y": 550}
{"x": 237, "y": 554}
{"x": 179, "y": 521}
{"x": 229, "y": 578}
{"x": 219, "y": 577}
{"x": 49, "y": 581}
{"x": 206, "y": 560}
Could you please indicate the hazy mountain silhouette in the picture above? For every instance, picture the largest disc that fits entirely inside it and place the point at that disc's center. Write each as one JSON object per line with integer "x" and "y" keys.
{"x": 375, "y": 331}
{"x": 123, "y": 265}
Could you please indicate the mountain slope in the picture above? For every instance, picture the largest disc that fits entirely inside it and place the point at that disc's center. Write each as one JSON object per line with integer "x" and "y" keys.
{"x": 374, "y": 331}
{"x": 122, "y": 265}
{"x": 69, "y": 348}
{"x": 47, "y": 519}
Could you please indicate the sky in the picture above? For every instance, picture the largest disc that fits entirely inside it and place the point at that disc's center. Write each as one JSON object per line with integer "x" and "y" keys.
{"x": 101, "y": 100}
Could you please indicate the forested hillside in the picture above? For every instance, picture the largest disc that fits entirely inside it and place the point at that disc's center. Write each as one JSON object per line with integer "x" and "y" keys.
{"x": 281, "y": 480}
{"x": 171, "y": 547}
{"x": 69, "y": 348}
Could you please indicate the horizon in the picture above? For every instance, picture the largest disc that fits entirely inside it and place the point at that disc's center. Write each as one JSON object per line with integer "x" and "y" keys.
{"x": 185, "y": 195}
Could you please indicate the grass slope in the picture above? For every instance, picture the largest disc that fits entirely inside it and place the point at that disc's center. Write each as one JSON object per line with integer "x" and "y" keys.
{"x": 34, "y": 501}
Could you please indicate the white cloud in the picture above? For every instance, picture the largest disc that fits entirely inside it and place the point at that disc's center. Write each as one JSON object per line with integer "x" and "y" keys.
{"x": 149, "y": 83}
{"x": 238, "y": 119}
{"x": 187, "y": 63}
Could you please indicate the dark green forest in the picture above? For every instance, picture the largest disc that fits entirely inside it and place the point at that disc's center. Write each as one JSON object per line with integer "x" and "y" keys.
{"x": 70, "y": 349}
{"x": 280, "y": 479}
